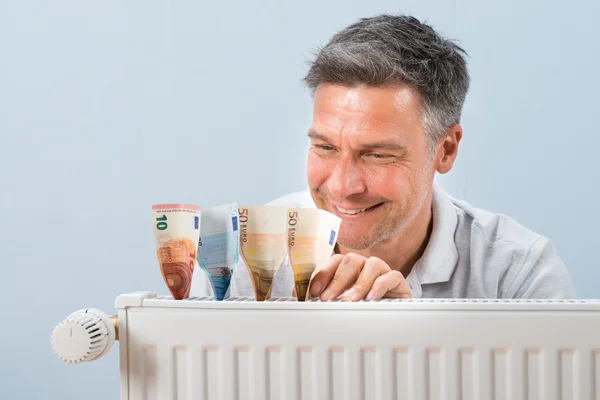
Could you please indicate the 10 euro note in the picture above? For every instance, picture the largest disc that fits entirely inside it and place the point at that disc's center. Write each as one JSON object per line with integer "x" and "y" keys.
{"x": 312, "y": 234}
{"x": 176, "y": 234}
{"x": 218, "y": 246}
{"x": 263, "y": 244}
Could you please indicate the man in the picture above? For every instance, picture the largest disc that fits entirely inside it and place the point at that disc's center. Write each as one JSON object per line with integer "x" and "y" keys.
{"x": 388, "y": 93}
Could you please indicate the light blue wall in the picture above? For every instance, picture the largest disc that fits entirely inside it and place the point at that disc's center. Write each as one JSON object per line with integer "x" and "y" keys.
{"x": 108, "y": 107}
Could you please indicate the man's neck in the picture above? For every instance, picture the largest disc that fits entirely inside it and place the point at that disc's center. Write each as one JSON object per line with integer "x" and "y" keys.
{"x": 403, "y": 250}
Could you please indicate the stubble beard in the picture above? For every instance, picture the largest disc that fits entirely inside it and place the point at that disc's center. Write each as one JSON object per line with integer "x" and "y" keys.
{"x": 393, "y": 225}
{"x": 357, "y": 241}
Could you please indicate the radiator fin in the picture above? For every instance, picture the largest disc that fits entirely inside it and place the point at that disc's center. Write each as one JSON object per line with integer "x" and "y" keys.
{"x": 501, "y": 374}
{"x": 180, "y": 373}
{"x": 535, "y": 374}
{"x": 467, "y": 374}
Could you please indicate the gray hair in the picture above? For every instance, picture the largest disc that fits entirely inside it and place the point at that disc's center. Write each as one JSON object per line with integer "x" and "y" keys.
{"x": 387, "y": 50}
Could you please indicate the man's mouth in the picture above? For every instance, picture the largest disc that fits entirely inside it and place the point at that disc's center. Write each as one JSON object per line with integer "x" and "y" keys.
{"x": 356, "y": 210}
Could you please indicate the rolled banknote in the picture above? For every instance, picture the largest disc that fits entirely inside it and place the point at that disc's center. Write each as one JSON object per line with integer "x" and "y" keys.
{"x": 263, "y": 244}
{"x": 312, "y": 234}
{"x": 176, "y": 233}
{"x": 218, "y": 247}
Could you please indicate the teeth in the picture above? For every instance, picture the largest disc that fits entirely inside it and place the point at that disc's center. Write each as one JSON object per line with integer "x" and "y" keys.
{"x": 351, "y": 212}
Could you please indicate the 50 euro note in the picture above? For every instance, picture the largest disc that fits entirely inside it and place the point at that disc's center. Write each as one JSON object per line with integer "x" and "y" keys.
{"x": 263, "y": 244}
{"x": 218, "y": 246}
{"x": 176, "y": 234}
{"x": 312, "y": 234}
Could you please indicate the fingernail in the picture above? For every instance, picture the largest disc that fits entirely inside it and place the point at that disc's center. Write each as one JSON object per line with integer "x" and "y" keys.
{"x": 325, "y": 295}
{"x": 315, "y": 289}
{"x": 370, "y": 295}
{"x": 349, "y": 294}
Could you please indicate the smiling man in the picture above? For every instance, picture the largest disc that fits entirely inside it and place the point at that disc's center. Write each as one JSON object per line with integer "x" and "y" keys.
{"x": 388, "y": 94}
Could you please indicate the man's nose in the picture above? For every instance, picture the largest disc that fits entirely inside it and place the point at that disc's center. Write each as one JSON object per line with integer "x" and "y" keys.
{"x": 346, "y": 179}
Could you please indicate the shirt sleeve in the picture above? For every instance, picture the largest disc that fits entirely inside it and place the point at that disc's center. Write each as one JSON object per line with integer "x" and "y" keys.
{"x": 543, "y": 275}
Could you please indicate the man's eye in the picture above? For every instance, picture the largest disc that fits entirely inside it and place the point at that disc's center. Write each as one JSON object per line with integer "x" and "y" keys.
{"x": 324, "y": 147}
{"x": 380, "y": 156}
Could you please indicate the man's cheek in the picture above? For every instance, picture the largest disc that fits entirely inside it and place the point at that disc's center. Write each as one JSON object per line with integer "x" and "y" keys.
{"x": 316, "y": 172}
{"x": 389, "y": 184}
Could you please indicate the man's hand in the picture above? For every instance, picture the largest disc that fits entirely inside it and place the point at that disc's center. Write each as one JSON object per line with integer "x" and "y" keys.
{"x": 355, "y": 277}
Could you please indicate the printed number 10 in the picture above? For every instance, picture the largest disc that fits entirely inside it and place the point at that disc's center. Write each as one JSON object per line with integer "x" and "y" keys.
{"x": 162, "y": 225}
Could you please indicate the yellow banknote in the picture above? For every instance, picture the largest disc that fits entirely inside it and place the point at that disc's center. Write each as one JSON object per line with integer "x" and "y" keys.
{"x": 263, "y": 244}
{"x": 312, "y": 234}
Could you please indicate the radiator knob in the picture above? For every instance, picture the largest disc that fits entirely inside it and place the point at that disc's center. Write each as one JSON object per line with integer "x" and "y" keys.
{"x": 85, "y": 335}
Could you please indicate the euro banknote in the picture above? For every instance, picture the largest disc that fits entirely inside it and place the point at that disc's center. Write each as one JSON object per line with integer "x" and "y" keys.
{"x": 176, "y": 233}
{"x": 312, "y": 234}
{"x": 218, "y": 247}
{"x": 263, "y": 244}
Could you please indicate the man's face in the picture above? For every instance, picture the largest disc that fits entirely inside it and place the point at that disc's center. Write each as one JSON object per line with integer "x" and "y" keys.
{"x": 369, "y": 161}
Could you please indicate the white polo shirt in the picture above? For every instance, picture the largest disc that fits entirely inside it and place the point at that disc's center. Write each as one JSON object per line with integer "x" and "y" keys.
{"x": 472, "y": 253}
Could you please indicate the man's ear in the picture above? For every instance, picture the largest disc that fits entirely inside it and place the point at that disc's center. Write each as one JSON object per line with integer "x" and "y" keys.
{"x": 447, "y": 149}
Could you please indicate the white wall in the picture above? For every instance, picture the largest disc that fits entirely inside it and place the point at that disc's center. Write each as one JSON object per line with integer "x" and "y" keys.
{"x": 109, "y": 107}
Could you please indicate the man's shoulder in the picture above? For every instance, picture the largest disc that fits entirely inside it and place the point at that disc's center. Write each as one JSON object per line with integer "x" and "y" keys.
{"x": 493, "y": 227}
{"x": 301, "y": 199}
{"x": 525, "y": 262}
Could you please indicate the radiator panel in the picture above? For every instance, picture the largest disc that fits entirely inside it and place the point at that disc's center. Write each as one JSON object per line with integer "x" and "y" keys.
{"x": 377, "y": 350}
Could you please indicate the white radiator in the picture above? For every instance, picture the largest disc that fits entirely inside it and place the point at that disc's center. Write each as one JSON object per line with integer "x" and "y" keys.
{"x": 203, "y": 349}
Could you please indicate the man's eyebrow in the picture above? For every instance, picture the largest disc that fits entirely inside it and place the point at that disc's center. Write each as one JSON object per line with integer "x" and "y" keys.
{"x": 391, "y": 145}
{"x": 317, "y": 136}
{"x": 385, "y": 145}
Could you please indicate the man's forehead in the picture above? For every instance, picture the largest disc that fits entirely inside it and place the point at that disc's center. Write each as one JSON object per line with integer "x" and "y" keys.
{"x": 367, "y": 109}
{"x": 363, "y": 98}
{"x": 332, "y": 126}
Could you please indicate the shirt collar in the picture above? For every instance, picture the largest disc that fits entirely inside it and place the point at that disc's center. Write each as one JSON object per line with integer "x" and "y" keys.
{"x": 439, "y": 260}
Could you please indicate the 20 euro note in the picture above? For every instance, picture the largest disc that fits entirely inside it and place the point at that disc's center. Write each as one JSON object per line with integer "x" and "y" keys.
{"x": 218, "y": 246}
{"x": 312, "y": 234}
{"x": 176, "y": 233}
{"x": 263, "y": 244}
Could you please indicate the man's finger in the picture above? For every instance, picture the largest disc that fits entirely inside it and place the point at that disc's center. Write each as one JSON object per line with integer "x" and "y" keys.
{"x": 346, "y": 274}
{"x": 373, "y": 269}
{"x": 322, "y": 278}
{"x": 390, "y": 285}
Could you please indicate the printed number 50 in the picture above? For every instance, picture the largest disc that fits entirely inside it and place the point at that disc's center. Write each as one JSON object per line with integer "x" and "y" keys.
{"x": 293, "y": 218}
{"x": 243, "y": 215}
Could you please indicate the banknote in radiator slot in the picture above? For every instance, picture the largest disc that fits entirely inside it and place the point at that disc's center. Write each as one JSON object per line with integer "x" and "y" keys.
{"x": 218, "y": 247}
{"x": 176, "y": 234}
{"x": 263, "y": 244}
{"x": 312, "y": 234}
